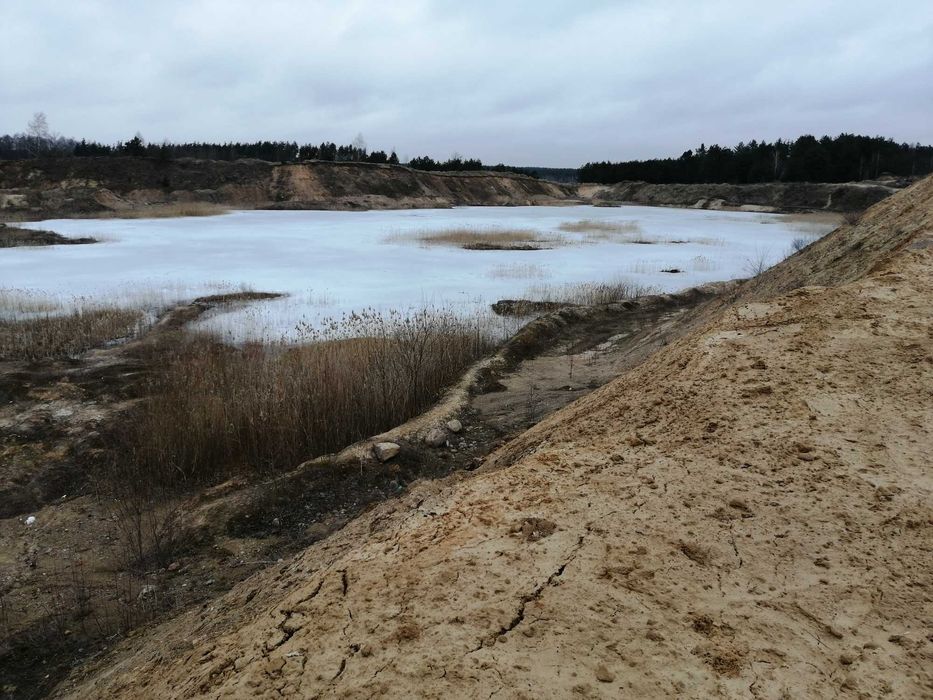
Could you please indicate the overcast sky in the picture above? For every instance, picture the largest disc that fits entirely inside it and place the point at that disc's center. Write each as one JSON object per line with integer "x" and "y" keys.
{"x": 527, "y": 83}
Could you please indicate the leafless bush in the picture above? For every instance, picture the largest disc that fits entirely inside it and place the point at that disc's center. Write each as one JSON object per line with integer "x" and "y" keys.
{"x": 852, "y": 217}
{"x": 801, "y": 242}
{"x": 758, "y": 262}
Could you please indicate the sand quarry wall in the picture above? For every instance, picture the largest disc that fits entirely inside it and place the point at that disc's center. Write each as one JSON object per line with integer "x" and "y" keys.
{"x": 70, "y": 186}
{"x": 770, "y": 196}
{"x": 745, "y": 514}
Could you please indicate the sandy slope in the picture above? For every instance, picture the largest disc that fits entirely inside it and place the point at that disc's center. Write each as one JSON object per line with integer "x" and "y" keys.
{"x": 747, "y": 513}
{"x": 54, "y": 187}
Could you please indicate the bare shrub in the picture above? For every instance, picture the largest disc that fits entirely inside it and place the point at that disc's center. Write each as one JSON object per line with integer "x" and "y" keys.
{"x": 758, "y": 262}
{"x": 144, "y": 505}
{"x": 801, "y": 242}
{"x": 852, "y": 217}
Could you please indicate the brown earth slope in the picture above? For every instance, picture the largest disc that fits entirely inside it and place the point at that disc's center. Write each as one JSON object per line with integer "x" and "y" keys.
{"x": 72, "y": 186}
{"x": 745, "y": 514}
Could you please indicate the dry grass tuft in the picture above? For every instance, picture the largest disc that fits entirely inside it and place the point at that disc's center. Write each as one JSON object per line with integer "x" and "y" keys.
{"x": 518, "y": 271}
{"x": 701, "y": 263}
{"x": 482, "y": 239}
{"x": 588, "y": 293}
{"x": 596, "y": 226}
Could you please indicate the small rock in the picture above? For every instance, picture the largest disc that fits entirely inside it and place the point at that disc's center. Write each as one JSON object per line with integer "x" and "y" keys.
{"x": 654, "y": 636}
{"x": 604, "y": 675}
{"x": 275, "y": 522}
{"x": 385, "y": 451}
{"x": 31, "y": 520}
{"x": 174, "y": 566}
{"x": 846, "y": 659}
{"x": 146, "y": 591}
{"x": 436, "y": 437}
{"x": 366, "y": 650}
{"x": 454, "y": 426}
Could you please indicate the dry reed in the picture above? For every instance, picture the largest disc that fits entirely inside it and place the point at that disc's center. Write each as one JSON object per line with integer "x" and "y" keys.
{"x": 214, "y": 409}
{"x": 596, "y": 226}
{"x": 161, "y": 211}
{"x": 51, "y": 336}
{"x": 589, "y": 293}
{"x": 482, "y": 239}
{"x": 13, "y": 237}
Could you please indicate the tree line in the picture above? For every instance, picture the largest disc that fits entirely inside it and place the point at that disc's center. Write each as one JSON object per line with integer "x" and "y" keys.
{"x": 38, "y": 142}
{"x": 22, "y": 146}
{"x": 845, "y": 158}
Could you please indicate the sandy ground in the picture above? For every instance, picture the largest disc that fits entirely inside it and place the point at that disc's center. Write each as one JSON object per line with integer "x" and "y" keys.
{"x": 747, "y": 513}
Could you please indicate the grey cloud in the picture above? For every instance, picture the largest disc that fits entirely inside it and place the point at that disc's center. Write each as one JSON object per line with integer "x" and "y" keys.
{"x": 549, "y": 83}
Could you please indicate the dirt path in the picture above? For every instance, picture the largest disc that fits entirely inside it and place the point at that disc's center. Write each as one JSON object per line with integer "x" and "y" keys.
{"x": 746, "y": 513}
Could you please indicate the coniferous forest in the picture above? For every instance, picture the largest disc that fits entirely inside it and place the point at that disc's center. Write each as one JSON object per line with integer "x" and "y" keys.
{"x": 844, "y": 158}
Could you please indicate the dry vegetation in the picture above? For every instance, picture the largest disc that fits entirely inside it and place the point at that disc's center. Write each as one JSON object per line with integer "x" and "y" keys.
{"x": 588, "y": 293}
{"x": 213, "y": 410}
{"x": 55, "y": 335}
{"x": 596, "y": 226}
{"x": 518, "y": 271}
{"x": 14, "y": 236}
{"x": 162, "y": 211}
{"x": 482, "y": 239}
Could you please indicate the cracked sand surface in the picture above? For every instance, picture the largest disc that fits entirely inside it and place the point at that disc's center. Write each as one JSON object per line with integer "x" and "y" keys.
{"x": 746, "y": 513}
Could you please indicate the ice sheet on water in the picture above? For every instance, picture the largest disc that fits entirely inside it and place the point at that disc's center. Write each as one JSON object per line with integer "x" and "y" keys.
{"x": 330, "y": 263}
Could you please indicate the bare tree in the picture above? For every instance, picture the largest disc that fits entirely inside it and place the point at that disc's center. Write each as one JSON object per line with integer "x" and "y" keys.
{"x": 38, "y": 130}
{"x": 359, "y": 147}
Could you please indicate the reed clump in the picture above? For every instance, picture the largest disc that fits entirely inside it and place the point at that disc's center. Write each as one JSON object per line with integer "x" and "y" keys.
{"x": 482, "y": 239}
{"x": 162, "y": 211}
{"x": 589, "y": 293}
{"x": 214, "y": 409}
{"x": 50, "y": 335}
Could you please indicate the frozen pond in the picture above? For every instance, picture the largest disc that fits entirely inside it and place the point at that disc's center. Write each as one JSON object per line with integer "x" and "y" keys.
{"x": 331, "y": 263}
